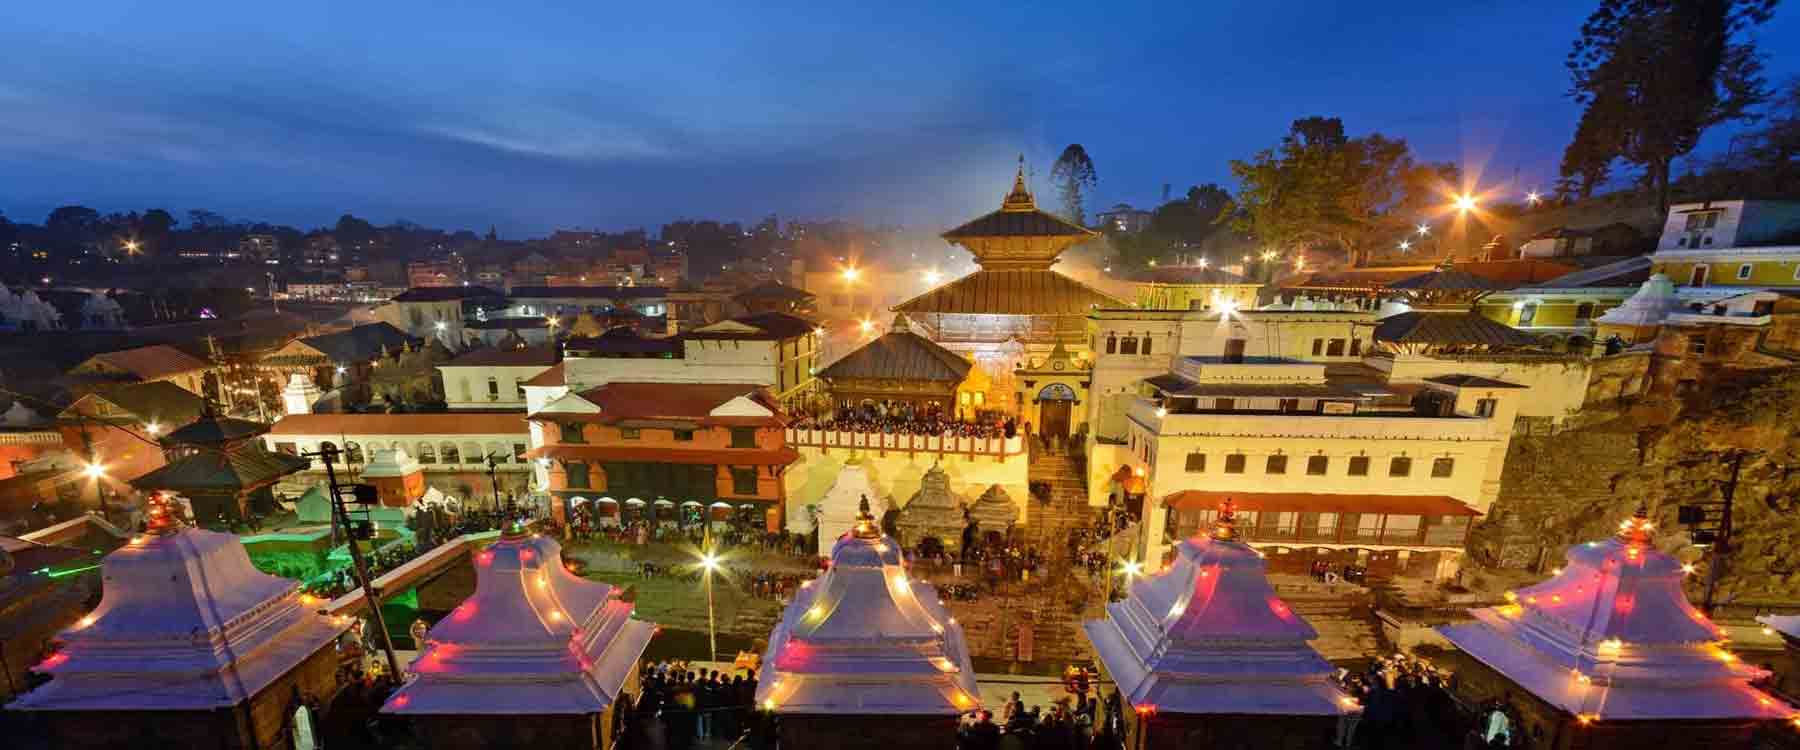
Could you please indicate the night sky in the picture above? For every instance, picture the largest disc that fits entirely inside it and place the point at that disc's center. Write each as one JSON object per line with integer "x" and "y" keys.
{"x": 581, "y": 113}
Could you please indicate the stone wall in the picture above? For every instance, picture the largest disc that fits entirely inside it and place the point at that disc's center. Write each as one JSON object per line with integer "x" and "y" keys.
{"x": 1576, "y": 485}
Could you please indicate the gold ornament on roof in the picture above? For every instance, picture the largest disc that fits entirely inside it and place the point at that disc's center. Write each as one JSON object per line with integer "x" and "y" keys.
{"x": 866, "y": 527}
{"x": 1020, "y": 198}
{"x": 1225, "y": 528}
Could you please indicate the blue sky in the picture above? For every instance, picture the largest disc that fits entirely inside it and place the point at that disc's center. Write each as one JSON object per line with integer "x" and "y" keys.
{"x": 532, "y": 115}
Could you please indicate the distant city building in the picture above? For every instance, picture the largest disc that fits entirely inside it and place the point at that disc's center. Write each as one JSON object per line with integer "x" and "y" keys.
{"x": 493, "y": 378}
{"x": 262, "y": 248}
{"x": 1124, "y": 219}
{"x": 1564, "y": 242}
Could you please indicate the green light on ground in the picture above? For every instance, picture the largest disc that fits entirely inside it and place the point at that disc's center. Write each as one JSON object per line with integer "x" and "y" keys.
{"x": 72, "y": 571}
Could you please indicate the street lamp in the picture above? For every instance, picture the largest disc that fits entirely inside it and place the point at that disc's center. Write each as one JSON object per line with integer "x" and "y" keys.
{"x": 1204, "y": 262}
{"x": 868, "y": 326}
{"x": 1424, "y": 229}
{"x": 850, "y": 274}
{"x": 1405, "y": 245}
{"x": 932, "y": 277}
{"x": 709, "y": 564}
{"x": 1533, "y": 197}
{"x": 94, "y": 471}
{"x": 1465, "y": 203}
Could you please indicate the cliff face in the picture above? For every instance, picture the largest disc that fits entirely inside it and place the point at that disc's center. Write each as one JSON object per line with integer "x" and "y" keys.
{"x": 1578, "y": 484}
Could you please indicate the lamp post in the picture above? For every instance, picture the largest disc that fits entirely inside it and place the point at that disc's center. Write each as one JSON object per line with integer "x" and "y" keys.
{"x": 709, "y": 563}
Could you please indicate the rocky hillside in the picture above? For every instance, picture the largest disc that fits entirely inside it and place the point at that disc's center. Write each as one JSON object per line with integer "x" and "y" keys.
{"x": 1578, "y": 484}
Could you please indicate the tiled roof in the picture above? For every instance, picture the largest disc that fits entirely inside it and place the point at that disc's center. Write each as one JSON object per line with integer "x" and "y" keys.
{"x": 1516, "y": 271}
{"x": 361, "y": 343}
{"x": 442, "y": 423}
{"x": 1012, "y": 223}
{"x": 594, "y": 292}
{"x": 622, "y": 340}
{"x": 1354, "y": 278}
{"x": 1454, "y": 328}
{"x": 152, "y": 362}
{"x": 212, "y": 429}
{"x": 694, "y": 401}
{"x": 159, "y": 401}
{"x": 550, "y": 377}
{"x": 774, "y": 290}
{"x": 236, "y": 470}
{"x": 544, "y": 355}
{"x": 1011, "y": 292}
{"x": 444, "y": 293}
{"x": 900, "y": 355}
{"x": 774, "y": 325}
{"x": 1189, "y": 275}
{"x": 1471, "y": 381}
{"x": 667, "y": 454}
{"x": 1449, "y": 279}
{"x": 1307, "y": 502}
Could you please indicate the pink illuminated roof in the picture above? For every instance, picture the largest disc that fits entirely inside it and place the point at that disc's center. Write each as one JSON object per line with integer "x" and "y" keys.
{"x": 185, "y": 623}
{"x": 533, "y": 639}
{"x": 1612, "y": 637}
{"x": 867, "y": 639}
{"x": 1208, "y": 635}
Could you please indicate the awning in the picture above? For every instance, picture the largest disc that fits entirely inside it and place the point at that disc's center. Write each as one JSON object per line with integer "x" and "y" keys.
{"x": 634, "y": 503}
{"x": 1306, "y": 502}
{"x": 666, "y": 455}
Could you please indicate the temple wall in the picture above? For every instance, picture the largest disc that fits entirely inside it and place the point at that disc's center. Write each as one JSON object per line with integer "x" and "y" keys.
{"x": 1547, "y": 727}
{"x": 1229, "y": 732}
{"x": 263, "y": 722}
{"x": 1558, "y": 385}
{"x": 853, "y": 732}
{"x": 478, "y": 732}
{"x": 897, "y": 475}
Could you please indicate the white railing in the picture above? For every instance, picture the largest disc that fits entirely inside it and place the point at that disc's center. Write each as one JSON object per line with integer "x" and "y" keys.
{"x": 882, "y": 441}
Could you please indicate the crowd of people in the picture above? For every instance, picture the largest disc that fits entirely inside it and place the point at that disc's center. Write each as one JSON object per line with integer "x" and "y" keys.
{"x": 678, "y": 706}
{"x": 931, "y": 426}
{"x": 1075, "y": 722}
{"x": 335, "y": 583}
{"x": 1404, "y": 700}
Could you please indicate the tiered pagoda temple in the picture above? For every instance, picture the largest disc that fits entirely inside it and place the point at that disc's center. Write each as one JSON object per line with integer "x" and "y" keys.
{"x": 866, "y": 657}
{"x": 219, "y": 464}
{"x": 901, "y": 372}
{"x": 191, "y": 646}
{"x": 537, "y": 657}
{"x": 1204, "y": 654}
{"x": 1609, "y": 654}
{"x": 1015, "y": 305}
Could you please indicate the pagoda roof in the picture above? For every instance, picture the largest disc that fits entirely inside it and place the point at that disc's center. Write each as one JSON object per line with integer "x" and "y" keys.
{"x": 533, "y": 639}
{"x": 185, "y": 623}
{"x": 1190, "y": 274}
{"x": 1012, "y": 291}
{"x": 1030, "y": 222}
{"x": 1208, "y": 635}
{"x": 865, "y": 638}
{"x": 1449, "y": 329}
{"x": 1613, "y": 637}
{"x": 900, "y": 355}
{"x": 215, "y": 469}
{"x": 212, "y": 429}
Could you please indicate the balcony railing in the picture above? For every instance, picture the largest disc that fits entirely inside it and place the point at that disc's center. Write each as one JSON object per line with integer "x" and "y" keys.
{"x": 882, "y": 441}
{"x": 1437, "y": 531}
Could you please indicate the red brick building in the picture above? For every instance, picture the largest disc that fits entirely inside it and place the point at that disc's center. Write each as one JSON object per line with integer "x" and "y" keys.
{"x": 717, "y": 449}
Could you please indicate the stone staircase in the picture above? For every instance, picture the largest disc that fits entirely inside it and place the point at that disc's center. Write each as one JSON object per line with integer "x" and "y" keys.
{"x": 1343, "y": 615}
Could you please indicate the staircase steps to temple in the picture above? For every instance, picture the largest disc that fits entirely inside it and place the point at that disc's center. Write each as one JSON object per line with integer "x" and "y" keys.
{"x": 1345, "y": 620}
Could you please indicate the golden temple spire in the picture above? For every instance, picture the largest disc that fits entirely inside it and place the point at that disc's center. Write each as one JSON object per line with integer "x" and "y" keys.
{"x": 1636, "y": 529}
{"x": 1020, "y": 197}
{"x": 160, "y": 516}
{"x": 865, "y": 522}
{"x": 1225, "y": 528}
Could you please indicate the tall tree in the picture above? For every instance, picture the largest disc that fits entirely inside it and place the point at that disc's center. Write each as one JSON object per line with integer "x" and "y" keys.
{"x": 1074, "y": 177}
{"x": 1655, "y": 74}
{"x": 1587, "y": 160}
{"x": 1321, "y": 188}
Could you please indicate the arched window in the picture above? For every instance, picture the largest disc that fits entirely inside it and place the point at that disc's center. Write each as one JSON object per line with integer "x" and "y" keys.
{"x": 1145, "y": 347}
{"x": 448, "y": 452}
{"x": 1129, "y": 345}
{"x": 472, "y": 453}
{"x": 355, "y": 453}
{"x": 427, "y": 454}
{"x": 498, "y": 451}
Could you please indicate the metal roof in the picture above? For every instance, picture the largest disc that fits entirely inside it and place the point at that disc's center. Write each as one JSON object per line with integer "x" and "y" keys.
{"x": 1465, "y": 328}
{"x": 900, "y": 355}
{"x": 1012, "y": 292}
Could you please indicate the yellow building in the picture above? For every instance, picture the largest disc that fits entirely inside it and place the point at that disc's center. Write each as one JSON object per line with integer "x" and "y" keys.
{"x": 1731, "y": 266}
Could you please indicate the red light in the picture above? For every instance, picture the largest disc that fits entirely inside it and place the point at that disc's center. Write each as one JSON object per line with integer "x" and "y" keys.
{"x": 465, "y": 611}
{"x": 485, "y": 558}
{"x": 401, "y": 700}
{"x": 1279, "y": 608}
{"x": 57, "y": 659}
{"x": 526, "y": 555}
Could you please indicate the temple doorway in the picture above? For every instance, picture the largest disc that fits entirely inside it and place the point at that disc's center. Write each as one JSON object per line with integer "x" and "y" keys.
{"x": 1056, "y": 403}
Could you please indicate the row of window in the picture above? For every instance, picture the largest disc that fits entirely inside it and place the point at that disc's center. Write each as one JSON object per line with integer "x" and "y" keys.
{"x": 1318, "y": 466}
{"x": 572, "y": 432}
{"x": 423, "y": 452}
{"x": 1335, "y": 347}
{"x": 1115, "y": 344}
{"x": 577, "y": 476}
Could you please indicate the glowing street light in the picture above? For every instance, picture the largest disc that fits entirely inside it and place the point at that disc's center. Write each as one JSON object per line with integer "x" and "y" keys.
{"x": 1405, "y": 245}
{"x": 1533, "y": 198}
{"x": 850, "y": 274}
{"x": 1424, "y": 229}
{"x": 1131, "y": 569}
{"x": 1465, "y": 203}
{"x": 1268, "y": 255}
{"x": 441, "y": 325}
{"x": 153, "y": 428}
{"x": 932, "y": 277}
{"x": 868, "y": 326}
{"x": 709, "y": 564}
{"x": 1299, "y": 263}
{"x": 1204, "y": 262}
{"x": 94, "y": 471}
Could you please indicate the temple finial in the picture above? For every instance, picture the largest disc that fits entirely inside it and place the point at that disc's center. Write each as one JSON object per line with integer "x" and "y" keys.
{"x": 1020, "y": 198}
{"x": 1225, "y": 528}
{"x": 159, "y": 514}
{"x": 1637, "y": 528}
{"x": 865, "y": 521}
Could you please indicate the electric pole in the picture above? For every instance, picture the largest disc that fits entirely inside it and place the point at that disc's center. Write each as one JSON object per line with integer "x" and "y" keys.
{"x": 359, "y": 564}
{"x": 1722, "y": 543}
